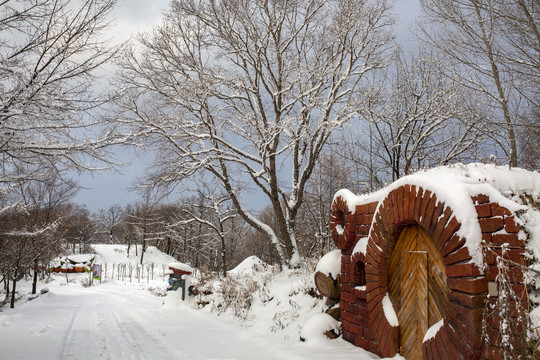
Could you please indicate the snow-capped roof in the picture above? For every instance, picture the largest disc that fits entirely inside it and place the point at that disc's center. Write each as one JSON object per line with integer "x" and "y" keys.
{"x": 180, "y": 266}
{"x": 81, "y": 258}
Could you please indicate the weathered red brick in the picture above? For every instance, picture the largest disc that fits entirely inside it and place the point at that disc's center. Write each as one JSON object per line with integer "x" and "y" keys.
{"x": 467, "y": 300}
{"x": 363, "y": 230}
{"x": 483, "y": 210}
{"x": 362, "y": 209}
{"x": 510, "y": 239}
{"x": 441, "y": 224}
{"x": 468, "y": 285}
{"x": 450, "y": 348}
{"x": 462, "y": 270}
{"x": 375, "y": 295}
{"x": 410, "y": 206}
{"x": 374, "y": 348}
{"x": 358, "y": 331}
{"x": 467, "y": 331}
{"x": 394, "y": 203}
{"x": 452, "y": 245}
{"x": 426, "y": 350}
{"x": 491, "y": 224}
{"x": 347, "y": 316}
{"x": 467, "y": 338}
{"x": 460, "y": 255}
{"x": 436, "y": 217}
{"x": 346, "y": 268}
{"x": 418, "y": 204}
{"x": 425, "y": 200}
{"x": 363, "y": 313}
{"x": 514, "y": 255}
{"x": 405, "y": 203}
{"x": 372, "y": 206}
{"x": 480, "y": 199}
{"x": 348, "y": 336}
{"x": 375, "y": 319}
{"x": 399, "y": 204}
{"x": 448, "y": 232}
{"x": 428, "y": 213}
{"x": 510, "y": 225}
{"x": 389, "y": 345}
{"x": 514, "y": 273}
{"x": 440, "y": 346}
{"x": 362, "y": 342}
{"x": 497, "y": 210}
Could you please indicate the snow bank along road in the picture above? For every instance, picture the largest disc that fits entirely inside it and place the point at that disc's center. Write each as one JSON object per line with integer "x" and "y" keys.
{"x": 119, "y": 322}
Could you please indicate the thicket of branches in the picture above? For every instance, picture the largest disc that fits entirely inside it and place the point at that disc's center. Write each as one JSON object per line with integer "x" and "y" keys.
{"x": 290, "y": 100}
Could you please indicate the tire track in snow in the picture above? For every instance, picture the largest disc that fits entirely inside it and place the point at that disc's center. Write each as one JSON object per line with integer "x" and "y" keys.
{"x": 67, "y": 334}
{"x": 136, "y": 336}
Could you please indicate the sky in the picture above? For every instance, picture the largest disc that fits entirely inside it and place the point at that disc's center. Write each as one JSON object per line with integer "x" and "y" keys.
{"x": 105, "y": 189}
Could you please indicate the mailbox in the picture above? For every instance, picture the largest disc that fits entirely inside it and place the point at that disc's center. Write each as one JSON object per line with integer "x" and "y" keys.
{"x": 178, "y": 273}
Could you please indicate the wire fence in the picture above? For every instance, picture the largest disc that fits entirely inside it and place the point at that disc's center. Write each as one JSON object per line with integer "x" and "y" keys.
{"x": 138, "y": 273}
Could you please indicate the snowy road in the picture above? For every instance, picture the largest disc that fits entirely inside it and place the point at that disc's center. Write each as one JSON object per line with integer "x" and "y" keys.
{"x": 120, "y": 322}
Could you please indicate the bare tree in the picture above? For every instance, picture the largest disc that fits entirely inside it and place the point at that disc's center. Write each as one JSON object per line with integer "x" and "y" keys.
{"x": 111, "y": 221}
{"x": 250, "y": 91}
{"x": 519, "y": 29}
{"x": 332, "y": 172}
{"x": 144, "y": 223}
{"x": 77, "y": 227}
{"x": 50, "y": 51}
{"x": 44, "y": 201}
{"x": 418, "y": 118}
{"x": 217, "y": 212}
{"x": 494, "y": 48}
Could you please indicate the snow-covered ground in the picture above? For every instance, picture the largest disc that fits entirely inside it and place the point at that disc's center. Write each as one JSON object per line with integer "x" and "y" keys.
{"x": 116, "y": 321}
{"x": 127, "y": 320}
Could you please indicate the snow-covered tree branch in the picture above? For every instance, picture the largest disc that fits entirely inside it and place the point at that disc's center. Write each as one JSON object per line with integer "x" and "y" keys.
{"x": 250, "y": 91}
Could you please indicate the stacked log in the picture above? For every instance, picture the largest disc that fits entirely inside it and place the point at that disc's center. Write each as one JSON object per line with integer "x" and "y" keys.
{"x": 330, "y": 289}
{"x": 327, "y": 286}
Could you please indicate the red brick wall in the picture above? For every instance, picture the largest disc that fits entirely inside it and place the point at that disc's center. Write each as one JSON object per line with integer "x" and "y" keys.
{"x": 353, "y": 305}
{"x": 499, "y": 227}
{"x": 363, "y": 321}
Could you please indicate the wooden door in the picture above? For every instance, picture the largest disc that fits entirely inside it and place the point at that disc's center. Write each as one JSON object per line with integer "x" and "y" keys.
{"x": 417, "y": 287}
{"x": 413, "y": 314}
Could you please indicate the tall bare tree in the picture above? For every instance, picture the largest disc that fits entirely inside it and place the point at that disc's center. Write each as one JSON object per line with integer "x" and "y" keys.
{"x": 417, "y": 117}
{"x": 249, "y": 93}
{"x": 50, "y": 51}
{"x": 494, "y": 46}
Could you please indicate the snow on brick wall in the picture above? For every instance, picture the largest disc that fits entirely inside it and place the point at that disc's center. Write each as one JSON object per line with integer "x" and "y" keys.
{"x": 470, "y": 213}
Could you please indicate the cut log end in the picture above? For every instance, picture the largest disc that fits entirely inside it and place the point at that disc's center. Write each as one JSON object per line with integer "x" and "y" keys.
{"x": 326, "y": 285}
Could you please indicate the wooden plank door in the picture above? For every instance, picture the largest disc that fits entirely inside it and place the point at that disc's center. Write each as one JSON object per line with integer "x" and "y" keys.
{"x": 417, "y": 287}
{"x": 413, "y": 314}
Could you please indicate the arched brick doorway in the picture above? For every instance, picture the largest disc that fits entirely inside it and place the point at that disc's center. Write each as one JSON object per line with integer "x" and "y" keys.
{"x": 416, "y": 287}
{"x": 465, "y": 284}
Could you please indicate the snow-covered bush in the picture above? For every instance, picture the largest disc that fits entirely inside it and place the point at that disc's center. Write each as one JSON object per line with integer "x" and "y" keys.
{"x": 236, "y": 294}
{"x": 256, "y": 293}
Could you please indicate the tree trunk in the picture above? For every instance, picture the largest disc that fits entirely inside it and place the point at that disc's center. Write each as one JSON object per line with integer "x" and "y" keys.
{"x": 34, "y": 282}
{"x": 143, "y": 250}
{"x": 6, "y": 285}
{"x": 12, "y": 304}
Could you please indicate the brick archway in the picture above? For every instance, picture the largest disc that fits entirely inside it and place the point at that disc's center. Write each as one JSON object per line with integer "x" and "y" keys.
{"x": 460, "y": 334}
